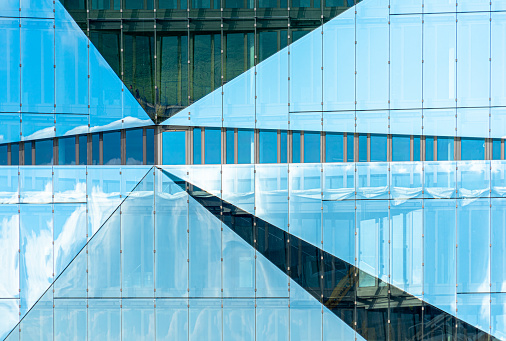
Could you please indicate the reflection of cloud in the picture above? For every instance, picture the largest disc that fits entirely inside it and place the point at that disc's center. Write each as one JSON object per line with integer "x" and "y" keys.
{"x": 118, "y": 124}
{"x": 39, "y": 197}
{"x": 76, "y": 194}
{"x": 9, "y": 312}
{"x": 44, "y": 133}
{"x": 9, "y": 241}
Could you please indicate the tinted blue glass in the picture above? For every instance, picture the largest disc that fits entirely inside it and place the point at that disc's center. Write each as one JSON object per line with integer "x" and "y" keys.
{"x": 134, "y": 147}
{"x": 28, "y": 153}
{"x": 174, "y": 147}
{"x": 14, "y": 154}
{"x": 496, "y": 149}
{"x": 44, "y": 152}
{"x": 230, "y": 146}
{"x": 212, "y": 146}
{"x": 444, "y": 148}
{"x": 416, "y": 148}
{"x": 334, "y": 147}
{"x": 245, "y": 146}
{"x": 67, "y": 151}
{"x": 311, "y": 147}
{"x": 197, "y": 146}
{"x": 112, "y": 148}
{"x": 362, "y": 148}
{"x": 350, "y": 155}
{"x": 471, "y": 149}
{"x": 296, "y": 147}
{"x": 283, "y": 147}
{"x": 401, "y": 146}
{"x": 83, "y": 149}
{"x": 9, "y": 59}
{"x": 3, "y": 154}
{"x": 95, "y": 149}
{"x": 150, "y": 146}
{"x": 429, "y": 148}
{"x": 268, "y": 146}
{"x": 379, "y": 148}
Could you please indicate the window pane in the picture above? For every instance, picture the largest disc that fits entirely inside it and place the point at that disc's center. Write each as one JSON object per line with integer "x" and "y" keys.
{"x": 212, "y": 146}
{"x": 379, "y": 148}
{"x": 83, "y": 148}
{"x": 362, "y": 148}
{"x": 134, "y": 147}
{"x": 174, "y": 147}
{"x": 14, "y": 154}
{"x": 416, "y": 148}
{"x": 3, "y": 154}
{"x": 28, "y": 153}
{"x": 283, "y": 146}
{"x": 472, "y": 149}
{"x": 150, "y": 146}
{"x": 400, "y": 148}
{"x": 429, "y": 148}
{"x": 67, "y": 151}
{"x": 197, "y": 146}
{"x": 349, "y": 147}
{"x": 496, "y": 149}
{"x": 334, "y": 147}
{"x": 245, "y": 146}
{"x": 311, "y": 147}
{"x": 268, "y": 146}
{"x": 44, "y": 152}
{"x": 296, "y": 147}
{"x": 230, "y": 146}
{"x": 112, "y": 148}
{"x": 95, "y": 142}
{"x": 444, "y": 148}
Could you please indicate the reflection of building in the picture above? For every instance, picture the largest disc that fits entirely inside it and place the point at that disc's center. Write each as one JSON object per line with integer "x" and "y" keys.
{"x": 348, "y": 185}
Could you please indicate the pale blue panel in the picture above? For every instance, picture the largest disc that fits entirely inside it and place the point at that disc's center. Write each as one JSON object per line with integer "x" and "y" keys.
{"x": 335, "y": 329}
{"x": 439, "y": 53}
{"x": 372, "y": 238}
{"x": 498, "y": 178}
{"x": 473, "y": 252}
{"x": 497, "y": 121}
{"x": 473, "y": 122}
{"x": 372, "y": 54}
{"x": 239, "y": 186}
{"x": 473, "y": 179}
{"x": 372, "y": 180}
{"x": 272, "y": 316}
{"x": 38, "y": 323}
{"x": 71, "y": 51}
{"x": 239, "y": 101}
{"x": 498, "y": 51}
{"x": 339, "y": 63}
{"x": 138, "y": 320}
{"x": 37, "y": 60}
{"x": 104, "y": 266}
{"x": 473, "y": 53}
{"x": 271, "y": 194}
{"x": 9, "y": 185}
{"x": 9, "y": 255}
{"x": 239, "y": 319}
{"x": 272, "y": 92}
{"x": 340, "y": 121}
{"x": 238, "y": 265}
{"x": 441, "y": 6}
{"x": 69, "y": 233}
{"x": 205, "y": 252}
{"x": 205, "y": 321}
{"x": 104, "y": 320}
{"x": 306, "y": 73}
{"x": 105, "y": 94}
{"x": 305, "y": 315}
{"x": 36, "y": 256}
{"x": 473, "y": 5}
{"x": 439, "y": 122}
{"x": 306, "y": 202}
{"x": 72, "y": 282}
{"x": 69, "y": 184}
{"x": 35, "y": 184}
{"x": 406, "y": 180}
{"x": 37, "y": 126}
{"x": 67, "y": 125}
{"x": 406, "y": 238}
{"x": 9, "y": 310}
{"x": 498, "y": 6}
{"x": 131, "y": 177}
{"x": 37, "y": 8}
{"x": 10, "y": 8}
{"x": 406, "y": 61}
{"x": 270, "y": 280}
{"x": 11, "y": 128}
{"x": 339, "y": 229}
{"x": 475, "y": 310}
{"x": 171, "y": 240}
{"x": 498, "y": 315}
{"x": 439, "y": 253}
{"x": 207, "y": 112}
{"x": 172, "y": 320}
{"x": 207, "y": 177}
{"x": 498, "y": 242}
{"x": 439, "y": 179}
{"x": 70, "y": 318}
{"x": 374, "y": 122}
{"x": 405, "y": 6}
{"x": 133, "y": 114}
{"x": 338, "y": 181}
{"x": 9, "y": 58}
{"x": 306, "y": 120}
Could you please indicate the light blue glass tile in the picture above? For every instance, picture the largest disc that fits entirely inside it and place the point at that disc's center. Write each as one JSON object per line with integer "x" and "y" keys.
{"x": 498, "y": 6}
{"x": 205, "y": 320}
{"x": 272, "y": 319}
{"x": 475, "y": 310}
{"x": 133, "y": 114}
{"x": 205, "y": 253}
{"x": 36, "y": 184}
{"x": 134, "y": 179}
{"x": 9, "y": 309}
{"x": 137, "y": 319}
{"x": 473, "y": 122}
{"x": 339, "y": 121}
{"x": 473, "y": 53}
{"x": 498, "y": 242}
{"x": 103, "y": 190}
{"x": 339, "y": 63}
{"x": 238, "y": 319}
{"x": 171, "y": 319}
{"x": 104, "y": 265}
{"x": 207, "y": 112}
{"x": 406, "y": 6}
{"x": 206, "y": 177}
{"x": 439, "y": 54}
{"x": 171, "y": 240}
{"x": 473, "y": 179}
{"x": 238, "y": 186}
{"x": 372, "y": 180}
{"x": 440, "y": 6}
{"x": 306, "y": 74}
{"x": 498, "y": 178}
{"x": 305, "y": 315}
{"x": 498, "y": 314}
{"x": 372, "y": 55}
{"x": 9, "y": 58}
{"x": 72, "y": 282}
{"x": 238, "y": 265}
{"x": 498, "y": 54}
{"x": 306, "y": 120}
{"x": 439, "y": 179}
{"x": 406, "y": 60}
{"x": 270, "y": 281}
{"x": 70, "y": 125}
{"x": 473, "y": 5}
{"x": 9, "y": 244}
{"x": 38, "y": 323}
{"x": 37, "y": 126}
{"x": 271, "y": 194}
{"x": 10, "y": 8}
{"x": 10, "y": 129}
{"x": 339, "y": 229}
{"x": 36, "y": 253}
{"x": 9, "y": 185}
{"x": 69, "y": 184}
{"x": 272, "y": 92}
{"x": 306, "y": 202}
{"x": 406, "y": 180}
{"x": 335, "y": 329}
{"x": 439, "y": 122}
{"x": 374, "y": 122}
{"x": 104, "y": 319}
{"x": 338, "y": 181}
{"x": 497, "y": 122}
{"x": 36, "y": 8}
{"x": 406, "y": 122}
{"x": 70, "y": 318}
{"x": 239, "y": 101}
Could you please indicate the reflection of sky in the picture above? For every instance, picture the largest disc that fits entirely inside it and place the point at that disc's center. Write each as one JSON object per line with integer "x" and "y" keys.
{"x": 9, "y": 261}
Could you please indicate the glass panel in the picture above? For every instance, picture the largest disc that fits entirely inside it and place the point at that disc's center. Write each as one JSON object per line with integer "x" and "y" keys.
{"x": 134, "y": 147}
{"x": 245, "y": 146}
{"x": 497, "y": 121}
{"x": 372, "y": 180}
{"x": 268, "y": 146}
{"x": 406, "y": 180}
{"x": 9, "y": 266}
{"x": 305, "y": 315}
{"x": 439, "y": 179}
{"x": 473, "y": 122}
{"x": 238, "y": 264}
{"x": 38, "y": 323}
{"x": 103, "y": 190}
{"x": 237, "y": 315}
{"x": 379, "y": 148}
{"x": 472, "y": 149}
{"x": 498, "y": 69}
{"x": 406, "y": 122}
{"x": 339, "y": 228}
{"x": 334, "y": 147}
{"x": 205, "y": 320}
{"x": 70, "y": 319}
{"x": 439, "y": 122}
{"x": 271, "y": 194}
{"x": 44, "y": 152}
{"x": 339, "y": 121}
{"x": 445, "y": 148}
{"x": 36, "y": 184}
{"x": 104, "y": 319}
{"x": 230, "y": 146}
{"x": 212, "y": 146}
{"x": 498, "y": 314}
{"x": 296, "y": 147}
{"x": 239, "y": 99}
{"x": 272, "y": 319}
{"x": 171, "y": 319}
{"x": 9, "y": 185}
{"x": 174, "y": 148}
{"x": 498, "y": 242}
{"x": 138, "y": 320}
{"x": 9, "y": 309}
{"x": 9, "y": 59}
{"x": 197, "y": 146}
{"x": 475, "y": 310}
{"x": 72, "y": 282}
{"x": 37, "y": 126}
{"x": 406, "y": 6}
{"x": 238, "y": 185}
{"x": 36, "y": 8}
{"x": 67, "y": 151}
{"x": 473, "y": 179}
{"x": 112, "y": 148}
{"x": 374, "y": 122}
{"x": 401, "y": 148}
